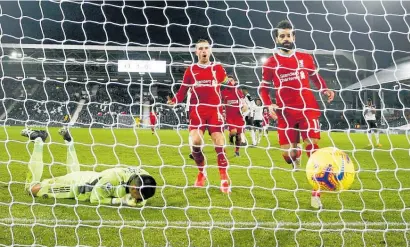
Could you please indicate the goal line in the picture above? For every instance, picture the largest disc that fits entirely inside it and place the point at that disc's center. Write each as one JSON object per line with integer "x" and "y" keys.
{"x": 391, "y": 226}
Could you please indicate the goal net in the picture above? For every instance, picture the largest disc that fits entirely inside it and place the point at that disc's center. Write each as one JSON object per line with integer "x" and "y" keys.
{"x": 59, "y": 67}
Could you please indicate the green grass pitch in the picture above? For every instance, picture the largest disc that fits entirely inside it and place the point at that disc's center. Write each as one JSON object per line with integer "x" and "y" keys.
{"x": 269, "y": 204}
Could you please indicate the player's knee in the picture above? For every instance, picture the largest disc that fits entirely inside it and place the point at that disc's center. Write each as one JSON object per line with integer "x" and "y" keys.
{"x": 233, "y": 132}
{"x": 218, "y": 138}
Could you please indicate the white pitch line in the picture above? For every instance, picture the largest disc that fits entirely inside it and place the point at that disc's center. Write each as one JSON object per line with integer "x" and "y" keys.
{"x": 203, "y": 223}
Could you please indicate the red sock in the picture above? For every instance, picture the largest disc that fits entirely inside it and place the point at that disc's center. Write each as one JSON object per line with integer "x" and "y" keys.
{"x": 294, "y": 154}
{"x": 310, "y": 149}
{"x": 222, "y": 162}
{"x": 198, "y": 157}
{"x": 287, "y": 158}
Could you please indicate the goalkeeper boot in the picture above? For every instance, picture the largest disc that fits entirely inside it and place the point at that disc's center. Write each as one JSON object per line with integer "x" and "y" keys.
{"x": 237, "y": 154}
{"x": 315, "y": 201}
{"x": 65, "y": 134}
{"x": 200, "y": 180}
{"x": 34, "y": 134}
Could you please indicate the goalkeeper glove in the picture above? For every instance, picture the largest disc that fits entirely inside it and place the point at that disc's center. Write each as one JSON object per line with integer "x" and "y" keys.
{"x": 126, "y": 200}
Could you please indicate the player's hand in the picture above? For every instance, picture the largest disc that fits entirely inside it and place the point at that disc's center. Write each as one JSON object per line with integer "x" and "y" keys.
{"x": 129, "y": 200}
{"x": 330, "y": 95}
{"x": 244, "y": 108}
{"x": 272, "y": 108}
{"x": 169, "y": 101}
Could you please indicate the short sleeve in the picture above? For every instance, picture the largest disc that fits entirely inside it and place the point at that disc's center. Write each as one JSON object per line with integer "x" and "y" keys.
{"x": 221, "y": 76}
{"x": 240, "y": 93}
{"x": 187, "y": 79}
{"x": 311, "y": 66}
{"x": 267, "y": 71}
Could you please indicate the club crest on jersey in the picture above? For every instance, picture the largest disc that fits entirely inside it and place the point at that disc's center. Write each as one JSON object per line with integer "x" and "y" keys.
{"x": 301, "y": 64}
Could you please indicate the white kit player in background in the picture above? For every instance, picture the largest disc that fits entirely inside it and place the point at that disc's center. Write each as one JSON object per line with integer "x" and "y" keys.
{"x": 257, "y": 122}
{"x": 369, "y": 112}
{"x": 248, "y": 114}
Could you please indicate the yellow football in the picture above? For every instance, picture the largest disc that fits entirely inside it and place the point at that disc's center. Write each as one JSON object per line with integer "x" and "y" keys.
{"x": 330, "y": 169}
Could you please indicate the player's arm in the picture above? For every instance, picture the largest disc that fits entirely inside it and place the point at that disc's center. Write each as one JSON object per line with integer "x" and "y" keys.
{"x": 102, "y": 192}
{"x": 319, "y": 82}
{"x": 183, "y": 90}
{"x": 242, "y": 101}
{"x": 264, "y": 89}
{"x": 222, "y": 77}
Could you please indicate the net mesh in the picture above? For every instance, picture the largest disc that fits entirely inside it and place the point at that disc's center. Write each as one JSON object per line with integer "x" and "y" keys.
{"x": 59, "y": 68}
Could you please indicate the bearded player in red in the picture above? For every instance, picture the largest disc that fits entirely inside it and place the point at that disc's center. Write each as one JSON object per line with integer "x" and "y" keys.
{"x": 296, "y": 108}
{"x": 205, "y": 79}
{"x": 234, "y": 102}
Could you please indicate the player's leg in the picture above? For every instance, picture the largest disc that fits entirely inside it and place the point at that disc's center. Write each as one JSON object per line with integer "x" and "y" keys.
{"x": 288, "y": 138}
{"x": 72, "y": 164}
{"x": 376, "y": 133}
{"x": 233, "y": 132}
{"x": 310, "y": 129}
{"x": 369, "y": 133}
{"x": 190, "y": 143}
{"x": 196, "y": 131}
{"x": 35, "y": 164}
{"x": 215, "y": 125}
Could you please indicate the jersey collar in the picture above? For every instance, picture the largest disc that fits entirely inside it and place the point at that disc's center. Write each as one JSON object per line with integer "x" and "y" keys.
{"x": 282, "y": 55}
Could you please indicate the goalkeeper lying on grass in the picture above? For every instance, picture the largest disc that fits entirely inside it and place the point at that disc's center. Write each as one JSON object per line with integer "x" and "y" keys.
{"x": 117, "y": 186}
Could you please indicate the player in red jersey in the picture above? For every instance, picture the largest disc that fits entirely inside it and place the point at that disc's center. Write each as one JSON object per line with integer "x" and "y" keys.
{"x": 204, "y": 79}
{"x": 296, "y": 108}
{"x": 153, "y": 119}
{"x": 234, "y": 102}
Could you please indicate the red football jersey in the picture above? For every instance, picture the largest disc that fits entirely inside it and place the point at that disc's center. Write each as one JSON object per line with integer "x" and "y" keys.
{"x": 290, "y": 76}
{"x": 205, "y": 82}
{"x": 231, "y": 98}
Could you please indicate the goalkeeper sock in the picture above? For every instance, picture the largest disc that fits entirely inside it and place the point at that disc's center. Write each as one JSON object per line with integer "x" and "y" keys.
{"x": 199, "y": 158}
{"x": 35, "y": 164}
{"x": 311, "y": 148}
{"x": 72, "y": 161}
{"x": 222, "y": 162}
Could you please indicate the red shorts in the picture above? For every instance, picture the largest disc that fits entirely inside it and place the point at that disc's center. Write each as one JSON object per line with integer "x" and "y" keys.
{"x": 290, "y": 127}
{"x": 236, "y": 123}
{"x": 210, "y": 119}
